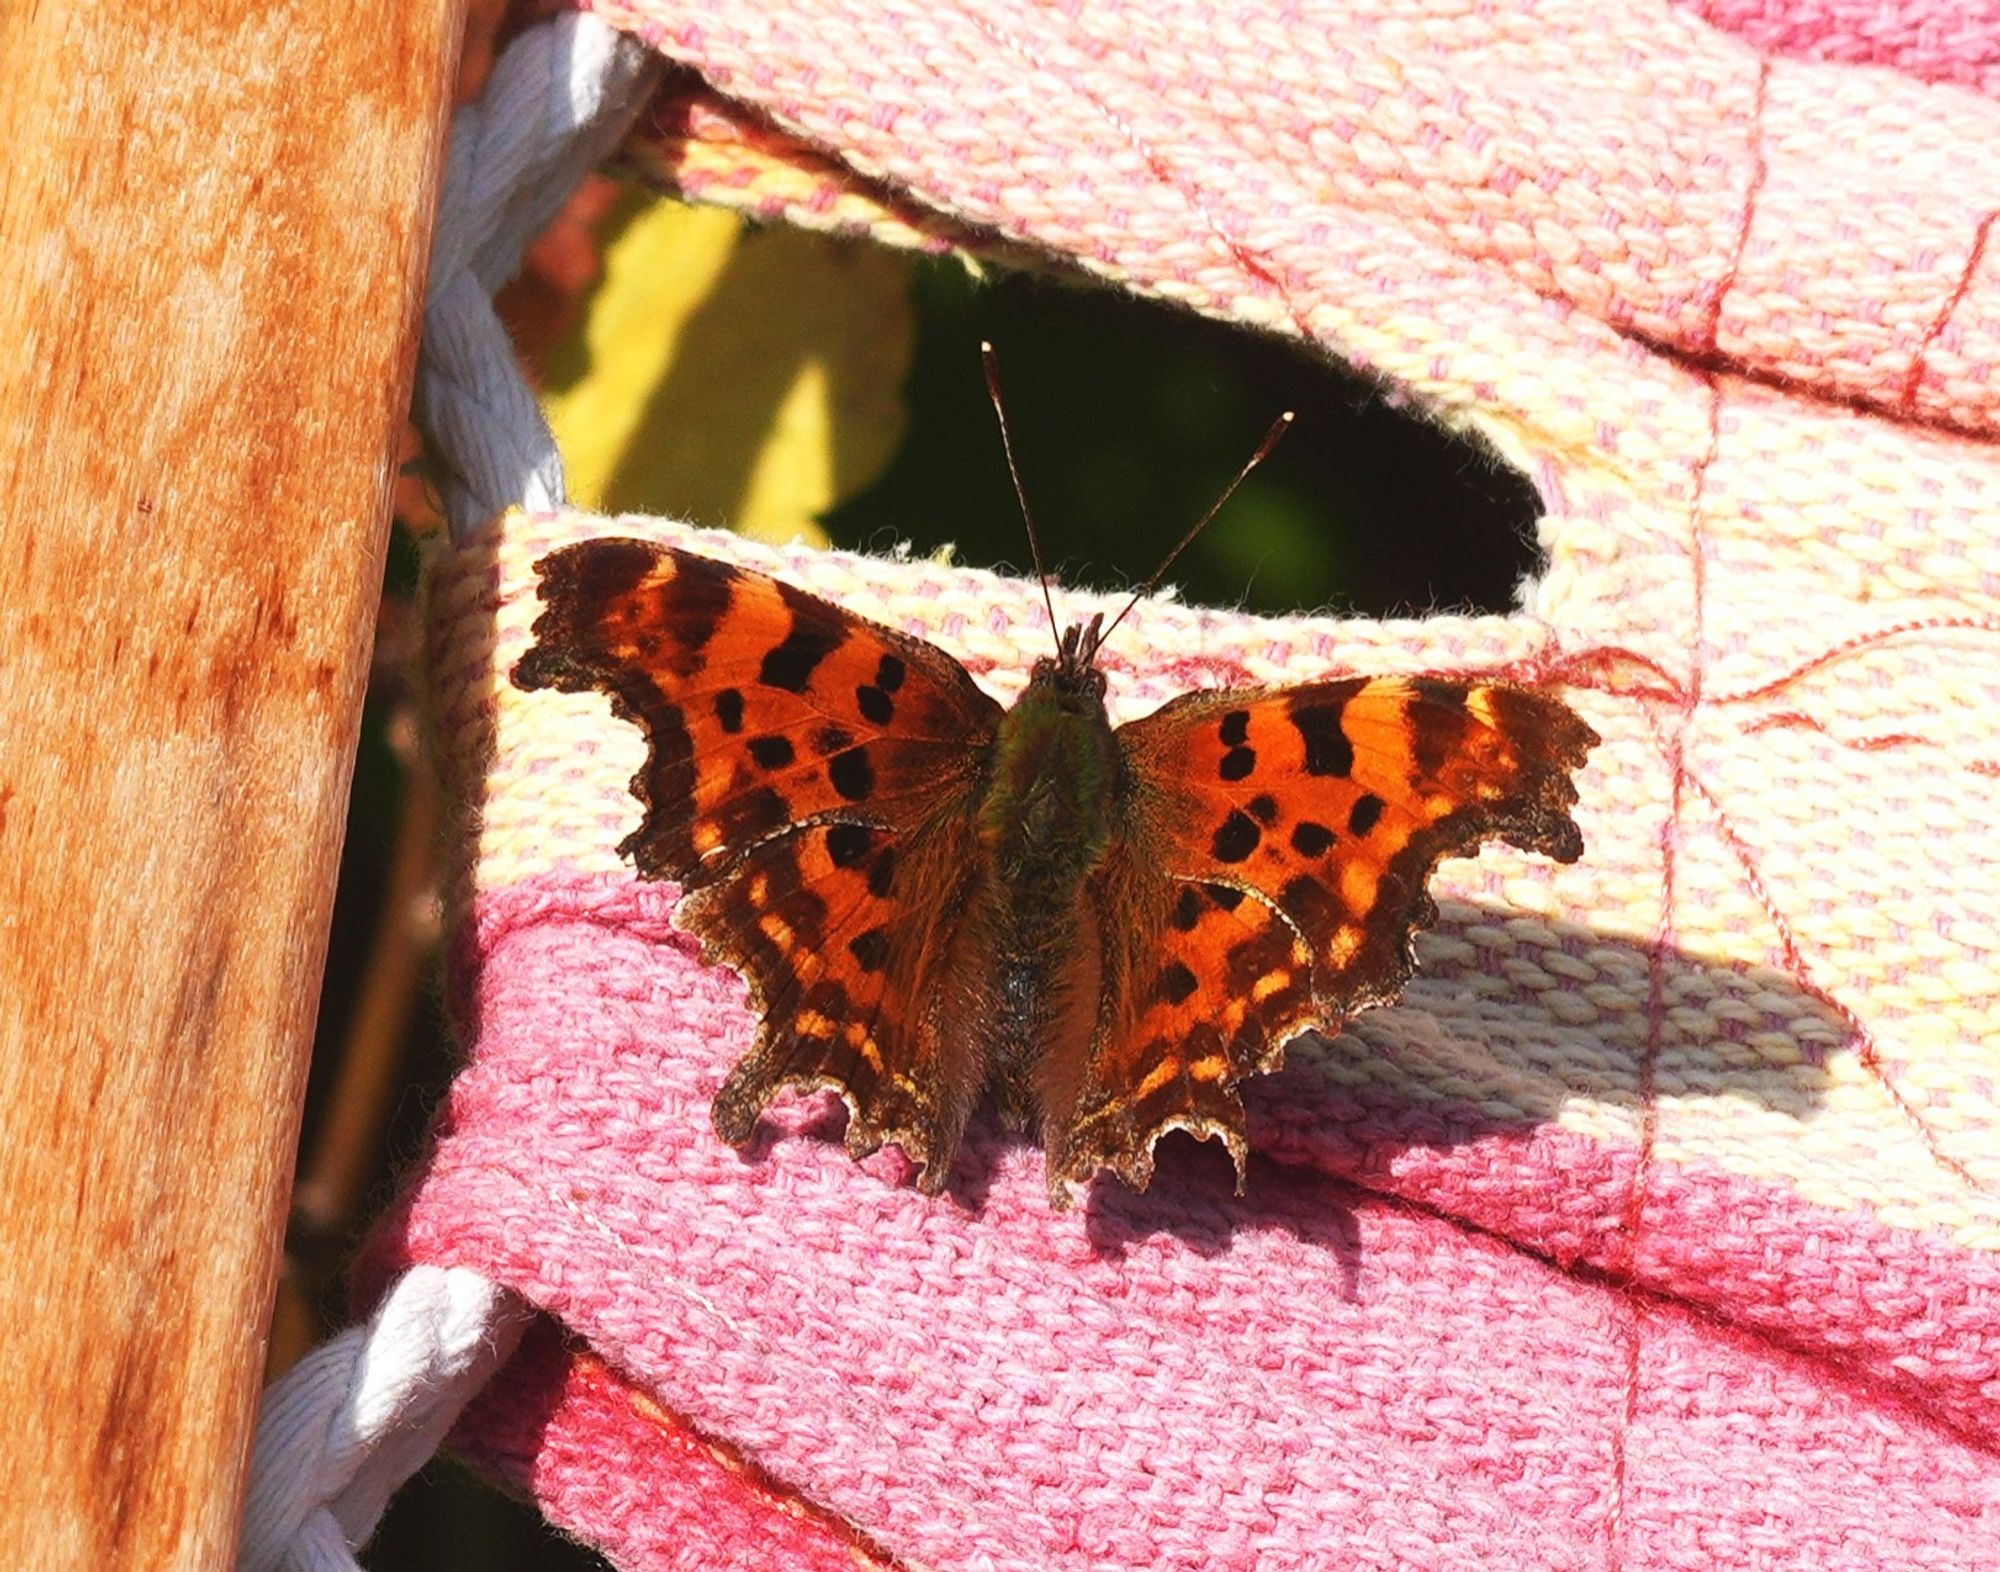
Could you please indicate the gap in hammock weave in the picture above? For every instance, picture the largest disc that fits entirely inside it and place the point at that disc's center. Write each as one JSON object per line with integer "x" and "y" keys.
{"x": 1130, "y": 416}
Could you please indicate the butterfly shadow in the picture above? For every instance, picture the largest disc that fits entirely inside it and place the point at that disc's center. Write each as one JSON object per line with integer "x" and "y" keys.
{"x": 1491, "y": 1043}
{"x": 1193, "y": 1199}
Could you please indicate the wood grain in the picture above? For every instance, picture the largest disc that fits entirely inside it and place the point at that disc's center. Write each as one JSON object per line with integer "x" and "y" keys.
{"x": 213, "y": 224}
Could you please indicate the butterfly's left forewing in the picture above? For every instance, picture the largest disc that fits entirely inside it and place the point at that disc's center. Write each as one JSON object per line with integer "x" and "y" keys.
{"x": 1270, "y": 877}
{"x": 807, "y": 783}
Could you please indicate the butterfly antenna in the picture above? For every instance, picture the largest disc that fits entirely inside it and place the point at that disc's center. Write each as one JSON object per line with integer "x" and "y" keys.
{"x": 1271, "y": 439}
{"x": 991, "y": 362}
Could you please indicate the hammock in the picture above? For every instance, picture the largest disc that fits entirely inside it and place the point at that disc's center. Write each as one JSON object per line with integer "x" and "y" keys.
{"x": 1659, "y": 1225}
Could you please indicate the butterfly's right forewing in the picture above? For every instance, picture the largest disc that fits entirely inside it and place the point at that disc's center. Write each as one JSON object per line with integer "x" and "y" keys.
{"x": 808, "y": 782}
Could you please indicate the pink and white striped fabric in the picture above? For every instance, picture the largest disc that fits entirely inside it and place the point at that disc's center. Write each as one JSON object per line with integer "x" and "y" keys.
{"x": 1660, "y": 1225}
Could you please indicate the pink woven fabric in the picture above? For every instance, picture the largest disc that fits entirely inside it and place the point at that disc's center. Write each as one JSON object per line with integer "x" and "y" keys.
{"x": 1956, "y": 41}
{"x": 633, "y": 1477}
{"x": 1659, "y": 1227}
{"x": 1314, "y": 1376}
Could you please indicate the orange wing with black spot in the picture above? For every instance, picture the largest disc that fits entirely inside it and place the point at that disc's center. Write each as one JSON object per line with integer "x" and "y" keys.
{"x": 1272, "y": 875}
{"x": 807, "y": 783}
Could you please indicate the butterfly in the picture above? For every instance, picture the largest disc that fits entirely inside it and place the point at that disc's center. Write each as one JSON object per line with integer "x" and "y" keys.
{"x": 933, "y": 897}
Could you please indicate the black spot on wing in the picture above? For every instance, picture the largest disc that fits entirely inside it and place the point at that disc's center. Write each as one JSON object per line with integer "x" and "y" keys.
{"x": 876, "y": 707}
{"x": 831, "y": 739}
{"x": 1236, "y": 838}
{"x": 1327, "y": 750}
{"x": 890, "y": 673}
{"x": 729, "y": 710}
{"x": 852, "y": 775}
{"x": 1365, "y": 814}
{"x": 812, "y": 638}
{"x": 1226, "y": 896}
{"x": 1175, "y": 984}
{"x": 1264, "y": 809}
{"x": 1235, "y": 729}
{"x": 1188, "y": 909}
{"x": 771, "y": 753}
{"x": 870, "y": 950}
{"x": 1310, "y": 839}
{"x": 1237, "y": 763}
{"x": 848, "y": 844}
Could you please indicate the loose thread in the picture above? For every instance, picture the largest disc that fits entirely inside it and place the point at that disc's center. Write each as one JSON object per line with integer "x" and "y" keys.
{"x": 1866, "y": 1048}
{"x": 1914, "y": 378}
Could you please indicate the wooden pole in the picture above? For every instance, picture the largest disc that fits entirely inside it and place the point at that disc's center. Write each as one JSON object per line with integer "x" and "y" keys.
{"x": 213, "y": 225}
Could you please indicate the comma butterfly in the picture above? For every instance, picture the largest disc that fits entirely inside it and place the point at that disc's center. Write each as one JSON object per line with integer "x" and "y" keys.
{"x": 932, "y": 896}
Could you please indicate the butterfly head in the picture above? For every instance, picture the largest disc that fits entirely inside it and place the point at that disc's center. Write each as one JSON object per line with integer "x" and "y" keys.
{"x": 1074, "y": 669}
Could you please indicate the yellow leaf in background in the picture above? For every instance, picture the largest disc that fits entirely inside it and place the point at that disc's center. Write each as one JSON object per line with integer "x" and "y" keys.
{"x": 732, "y": 375}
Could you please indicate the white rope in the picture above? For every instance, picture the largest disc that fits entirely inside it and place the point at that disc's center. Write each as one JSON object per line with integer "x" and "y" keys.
{"x": 346, "y": 1425}
{"x": 558, "y": 101}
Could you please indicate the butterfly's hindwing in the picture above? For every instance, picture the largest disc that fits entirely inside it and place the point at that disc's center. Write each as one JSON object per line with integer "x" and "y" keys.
{"x": 850, "y": 980}
{"x": 1206, "y": 982}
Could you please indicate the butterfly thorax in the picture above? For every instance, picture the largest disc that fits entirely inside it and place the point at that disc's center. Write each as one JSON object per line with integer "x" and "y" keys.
{"x": 1045, "y": 817}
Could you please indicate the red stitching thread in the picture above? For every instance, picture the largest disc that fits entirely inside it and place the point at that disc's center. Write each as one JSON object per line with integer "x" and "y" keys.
{"x": 1625, "y": 1272}
{"x": 1852, "y": 646}
{"x": 1914, "y": 378}
{"x": 1798, "y": 720}
{"x": 1753, "y": 189}
{"x": 1625, "y": 673}
{"x": 1673, "y": 749}
{"x": 1670, "y": 831}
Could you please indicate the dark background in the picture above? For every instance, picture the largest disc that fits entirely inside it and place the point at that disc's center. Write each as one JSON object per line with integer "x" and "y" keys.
{"x": 1129, "y": 417}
